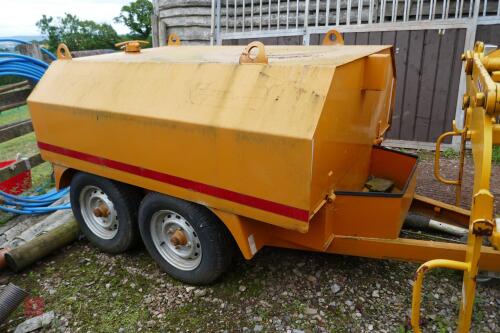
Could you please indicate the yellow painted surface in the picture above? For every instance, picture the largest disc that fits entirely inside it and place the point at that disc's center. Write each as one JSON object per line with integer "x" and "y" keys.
{"x": 481, "y": 102}
{"x": 287, "y": 132}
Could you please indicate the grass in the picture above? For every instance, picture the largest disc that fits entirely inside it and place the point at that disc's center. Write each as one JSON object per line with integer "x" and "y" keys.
{"x": 496, "y": 154}
{"x": 451, "y": 153}
{"x": 13, "y": 115}
{"x": 84, "y": 277}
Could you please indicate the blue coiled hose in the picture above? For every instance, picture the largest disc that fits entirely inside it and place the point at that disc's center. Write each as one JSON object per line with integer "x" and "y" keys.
{"x": 21, "y": 65}
{"x": 14, "y": 64}
{"x": 18, "y": 41}
{"x": 36, "y": 204}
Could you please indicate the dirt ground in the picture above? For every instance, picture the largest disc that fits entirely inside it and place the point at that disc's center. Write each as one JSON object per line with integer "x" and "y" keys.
{"x": 278, "y": 291}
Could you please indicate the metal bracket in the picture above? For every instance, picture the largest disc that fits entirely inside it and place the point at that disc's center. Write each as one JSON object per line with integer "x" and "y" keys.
{"x": 173, "y": 40}
{"x": 333, "y": 37}
{"x": 260, "y": 58}
{"x": 63, "y": 52}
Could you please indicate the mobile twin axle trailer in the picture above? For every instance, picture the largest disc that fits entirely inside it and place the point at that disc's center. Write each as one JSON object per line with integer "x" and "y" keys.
{"x": 197, "y": 148}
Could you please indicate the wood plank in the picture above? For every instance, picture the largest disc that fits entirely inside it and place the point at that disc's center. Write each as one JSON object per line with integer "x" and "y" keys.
{"x": 402, "y": 41}
{"x": 489, "y": 34}
{"x": 375, "y": 38}
{"x": 316, "y": 39}
{"x": 427, "y": 81}
{"x": 154, "y": 30}
{"x": 442, "y": 85}
{"x": 417, "y": 145}
{"x": 14, "y": 96}
{"x": 454, "y": 81}
{"x": 412, "y": 80}
{"x": 289, "y": 40}
{"x": 12, "y": 86}
{"x": 388, "y": 38}
{"x": 11, "y": 106}
{"x": 362, "y": 38}
{"x": 14, "y": 130}
{"x": 350, "y": 38}
{"x": 19, "y": 167}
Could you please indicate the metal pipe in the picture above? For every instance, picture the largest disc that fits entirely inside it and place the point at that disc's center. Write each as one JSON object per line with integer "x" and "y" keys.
{"x": 212, "y": 22}
{"x": 11, "y": 297}
{"x": 447, "y": 228}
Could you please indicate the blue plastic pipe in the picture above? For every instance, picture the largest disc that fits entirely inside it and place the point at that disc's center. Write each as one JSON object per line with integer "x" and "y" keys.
{"x": 14, "y": 40}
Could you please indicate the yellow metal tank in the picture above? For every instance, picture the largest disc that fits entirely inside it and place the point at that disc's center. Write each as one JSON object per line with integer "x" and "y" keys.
{"x": 267, "y": 141}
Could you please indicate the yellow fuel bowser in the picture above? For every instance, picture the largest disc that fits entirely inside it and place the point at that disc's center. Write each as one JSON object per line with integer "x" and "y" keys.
{"x": 195, "y": 148}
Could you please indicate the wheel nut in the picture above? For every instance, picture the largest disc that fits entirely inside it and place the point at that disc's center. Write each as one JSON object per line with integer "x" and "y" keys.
{"x": 178, "y": 238}
{"x": 101, "y": 211}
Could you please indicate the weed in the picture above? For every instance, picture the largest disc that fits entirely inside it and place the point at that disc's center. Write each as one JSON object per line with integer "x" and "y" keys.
{"x": 496, "y": 154}
{"x": 450, "y": 153}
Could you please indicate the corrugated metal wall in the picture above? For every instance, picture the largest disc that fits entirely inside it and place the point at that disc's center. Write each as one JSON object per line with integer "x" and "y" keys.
{"x": 428, "y": 76}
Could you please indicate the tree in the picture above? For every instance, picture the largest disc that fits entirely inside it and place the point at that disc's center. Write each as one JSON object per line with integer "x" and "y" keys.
{"x": 77, "y": 34}
{"x": 137, "y": 17}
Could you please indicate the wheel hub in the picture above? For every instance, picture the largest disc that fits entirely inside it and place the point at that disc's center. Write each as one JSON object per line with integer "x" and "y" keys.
{"x": 98, "y": 212}
{"x": 176, "y": 240}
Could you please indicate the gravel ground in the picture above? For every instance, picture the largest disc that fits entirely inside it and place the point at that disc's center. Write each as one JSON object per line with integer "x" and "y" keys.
{"x": 278, "y": 291}
{"x": 427, "y": 185}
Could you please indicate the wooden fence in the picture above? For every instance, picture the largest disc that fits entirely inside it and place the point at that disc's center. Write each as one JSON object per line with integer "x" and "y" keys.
{"x": 11, "y": 96}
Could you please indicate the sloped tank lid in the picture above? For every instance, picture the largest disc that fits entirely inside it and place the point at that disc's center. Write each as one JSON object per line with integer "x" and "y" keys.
{"x": 310, "y": 55}
{"x": 204, "y": 85}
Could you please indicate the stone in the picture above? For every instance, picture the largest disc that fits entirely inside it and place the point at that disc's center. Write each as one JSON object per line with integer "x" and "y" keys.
{"x": 258, "y": 328}
{"x": 375, "y": 293}
{"x": 242, "y": 288}
{"x": 35, "y": 323}
{"x": 200, "y": 292}
{"x": 310, "y": 311}
{"x": 312, "y": 278}
{"x": 335, "y": 288}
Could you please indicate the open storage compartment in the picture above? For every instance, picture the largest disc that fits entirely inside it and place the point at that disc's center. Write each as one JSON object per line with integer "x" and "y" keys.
{"x": 375, "y": 214}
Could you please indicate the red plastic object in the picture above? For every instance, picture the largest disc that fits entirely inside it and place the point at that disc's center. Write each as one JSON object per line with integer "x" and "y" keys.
{"x": 17, "y": 184}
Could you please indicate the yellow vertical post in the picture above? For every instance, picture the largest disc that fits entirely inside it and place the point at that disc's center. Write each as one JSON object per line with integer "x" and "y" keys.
{"x": 481, "y": 104}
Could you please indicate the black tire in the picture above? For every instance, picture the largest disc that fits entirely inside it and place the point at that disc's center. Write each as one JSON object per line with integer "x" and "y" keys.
{"x": 214, "y": 239}
{"x": 125, "y": 199}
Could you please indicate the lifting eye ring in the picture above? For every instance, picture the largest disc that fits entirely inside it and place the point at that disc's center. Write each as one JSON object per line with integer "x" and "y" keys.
{"x": 333, "y": 37}
{"x": 63, "y": 52}
{"x": 260, "y": 58}
{"x": 173, "y": 40}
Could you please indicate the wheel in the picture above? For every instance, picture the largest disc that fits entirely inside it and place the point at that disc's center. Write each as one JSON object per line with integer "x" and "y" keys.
{"x": 106, "y": 211}
{"x": 186, "y": 240}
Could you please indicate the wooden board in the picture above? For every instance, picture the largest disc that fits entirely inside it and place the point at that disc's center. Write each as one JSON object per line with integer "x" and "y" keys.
{"x": 426, "y": 85}
{"x": 412, "y": 86}
{"x": 12, "y": 86}
{"x": 19, "y": 167}
{"x": 16, "y": 96}
{"x": 14, "y": 130}
{"x": 441, "y": 99}
{"x": 490, "y": 34}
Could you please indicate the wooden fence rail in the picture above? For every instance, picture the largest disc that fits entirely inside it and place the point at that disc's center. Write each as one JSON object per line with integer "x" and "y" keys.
{"x": 14, "y": 130}
{"x": 14, "y": 95}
